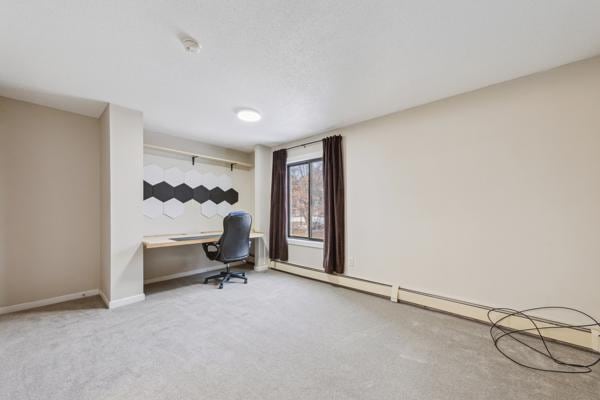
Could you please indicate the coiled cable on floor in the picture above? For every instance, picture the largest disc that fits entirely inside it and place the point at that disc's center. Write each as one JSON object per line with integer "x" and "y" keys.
{"x": 499, "y": 332}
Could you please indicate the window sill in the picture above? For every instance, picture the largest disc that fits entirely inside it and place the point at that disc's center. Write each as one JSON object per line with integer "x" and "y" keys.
{"x": 305, "y": 243}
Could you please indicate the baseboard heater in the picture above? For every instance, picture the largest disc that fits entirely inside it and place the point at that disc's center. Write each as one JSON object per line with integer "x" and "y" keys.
{"x": 579, "y": 337}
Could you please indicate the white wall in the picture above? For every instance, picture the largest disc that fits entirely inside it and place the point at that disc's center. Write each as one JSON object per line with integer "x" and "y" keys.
{"x": 49, "y": 202}
{"x": 105, "y": 255}
{"x": 168, "y": 261}
{"x": 124, "y": 165}
{"x": 491, "y": 197}
{"x": 262, "y": 189}
{"x": 196, "y": 147}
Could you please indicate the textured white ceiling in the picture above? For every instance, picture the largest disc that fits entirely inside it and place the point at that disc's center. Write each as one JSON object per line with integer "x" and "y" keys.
{"x": 308, "y": 66}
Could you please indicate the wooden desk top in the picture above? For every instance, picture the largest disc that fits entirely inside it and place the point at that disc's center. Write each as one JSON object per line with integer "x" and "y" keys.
{"x": 152, "y": 242}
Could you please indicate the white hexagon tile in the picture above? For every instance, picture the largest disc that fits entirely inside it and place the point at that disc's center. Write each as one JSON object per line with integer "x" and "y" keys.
{"x": 209, "y": 180}
{"x": 153, "y": 207}
{"x": 174, "y": 176}
{"x": 193, "y": 178}
{"x": 224, "y": 208}
{"x": 173, "y": 208}
{"x": 153, "y": 174}
{"x": 224, "y": 182}
{"x": 209, "y": 209}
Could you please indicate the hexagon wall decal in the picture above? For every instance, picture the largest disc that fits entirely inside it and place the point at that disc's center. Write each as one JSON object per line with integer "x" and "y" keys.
{"x": 209, "y": 209}
{"x": 147, "y": 190}
{"x": 193, "y": 178}
{"x": 173, "y": 208}
{"x": 209, "y": 180}
{"x": 224, "y": 182}
{"x": 201, "y": 194}
{"x": 153, "y": 207}
{"x": 183, "y": 193}
{"x": 153, "y": 174}
{"x": 163, "y": 191}
{"x": 217, "y": 195}
{"x": 223, "y": 209}
{"x": 174, "y": 176}
{"x": 231, "y": 196}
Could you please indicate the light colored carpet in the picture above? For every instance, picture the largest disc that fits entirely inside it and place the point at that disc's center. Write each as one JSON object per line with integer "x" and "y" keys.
{"x": 279, "y": 337}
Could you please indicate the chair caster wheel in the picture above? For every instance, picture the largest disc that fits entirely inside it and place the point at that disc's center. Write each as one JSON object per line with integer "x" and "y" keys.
{"x": 245, "y": 282}
{"x": 205, "y": 281}
{"x": 221, "y": 286}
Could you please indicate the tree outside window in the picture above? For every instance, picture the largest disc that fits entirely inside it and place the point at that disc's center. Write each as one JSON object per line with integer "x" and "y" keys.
{"x": 305, "y": 200}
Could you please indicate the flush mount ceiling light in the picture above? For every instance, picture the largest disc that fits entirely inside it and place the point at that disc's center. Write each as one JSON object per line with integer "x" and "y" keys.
{"x": 191, "y": 45}
{"x": 248, "y": 115}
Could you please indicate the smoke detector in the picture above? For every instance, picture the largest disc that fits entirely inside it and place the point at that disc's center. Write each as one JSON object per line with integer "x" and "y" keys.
{"x": 191, "y": 45}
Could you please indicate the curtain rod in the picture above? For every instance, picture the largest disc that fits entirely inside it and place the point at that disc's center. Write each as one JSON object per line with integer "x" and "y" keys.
{"x": 305, "y": 144}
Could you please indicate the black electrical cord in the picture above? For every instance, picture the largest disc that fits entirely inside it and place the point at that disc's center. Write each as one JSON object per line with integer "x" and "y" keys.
{"x": 567, "y": 367}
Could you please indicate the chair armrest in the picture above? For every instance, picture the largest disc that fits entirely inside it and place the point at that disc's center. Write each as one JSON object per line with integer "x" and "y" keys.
{"x": 212, "y": 254}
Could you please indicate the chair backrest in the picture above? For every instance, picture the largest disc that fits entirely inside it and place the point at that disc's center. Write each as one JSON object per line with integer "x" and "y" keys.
{"x": 235, "y": 242}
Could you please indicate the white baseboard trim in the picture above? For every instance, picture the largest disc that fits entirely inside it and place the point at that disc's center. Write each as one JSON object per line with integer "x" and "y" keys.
{"x": 182, "y": 274}
{"x": 104, "y": 298}
{"x": 46, "y": 302}
{"x": 260, "y": 268}
{"x": 578, "y": 337}
{"x": 126, "y": 301}
{"x": 191, "y": 272}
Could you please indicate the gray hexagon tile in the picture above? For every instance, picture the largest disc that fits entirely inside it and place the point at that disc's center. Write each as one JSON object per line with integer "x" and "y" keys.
{"x": 174, "y": 176}
{"x": 224, "y": 182}
{"x": 209, "y": 180}
{"x": 153, "y": 174}
{"x": 193, "y": 178}
{"x": 223, "y": 209}
{"x": 209, "y": 209}
{"x": 153, "y": 207}
{"x": 173, "y": 208}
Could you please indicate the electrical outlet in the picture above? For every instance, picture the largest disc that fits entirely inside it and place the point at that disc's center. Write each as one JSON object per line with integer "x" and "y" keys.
{"x": 595, "y": 332}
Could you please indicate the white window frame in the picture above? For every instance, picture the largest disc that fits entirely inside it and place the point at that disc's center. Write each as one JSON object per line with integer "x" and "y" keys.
{"x": 294, "y": 240}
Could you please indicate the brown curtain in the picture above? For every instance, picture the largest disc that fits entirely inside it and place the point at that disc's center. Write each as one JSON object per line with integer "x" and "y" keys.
{"x": 333, "y": 186}
{"x": 278, "y": 246}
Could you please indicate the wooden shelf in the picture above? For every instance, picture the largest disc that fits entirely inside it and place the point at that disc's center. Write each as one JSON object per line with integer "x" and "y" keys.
{"x": 202, "y": 156}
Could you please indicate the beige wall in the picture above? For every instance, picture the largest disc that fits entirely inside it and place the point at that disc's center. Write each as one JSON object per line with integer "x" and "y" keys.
{"x": 49, "y": 202}
{"x": 491, "y": 197}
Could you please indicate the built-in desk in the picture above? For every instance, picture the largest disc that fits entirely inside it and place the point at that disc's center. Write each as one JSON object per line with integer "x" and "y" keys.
{"x": 186, "y": 239}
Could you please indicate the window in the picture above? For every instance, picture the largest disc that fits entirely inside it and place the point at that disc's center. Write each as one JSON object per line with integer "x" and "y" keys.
{"x": 306, "y": 217}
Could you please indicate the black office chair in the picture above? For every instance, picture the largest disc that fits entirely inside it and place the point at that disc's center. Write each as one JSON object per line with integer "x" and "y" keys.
{"x": 234, "y": 245}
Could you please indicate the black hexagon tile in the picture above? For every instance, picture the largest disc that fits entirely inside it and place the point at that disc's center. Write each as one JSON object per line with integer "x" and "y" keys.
{"x": 163, "y": 191}
{"x": 201, "y": 194}
{"x": 217, "y": 195}
{"x": 183, "y": 193}
{"x": 147, "y": 190}
{"x": 231, "y": 196}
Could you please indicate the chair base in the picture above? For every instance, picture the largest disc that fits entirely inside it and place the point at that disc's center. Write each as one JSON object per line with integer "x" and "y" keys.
{"x": 225, "y": 276}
